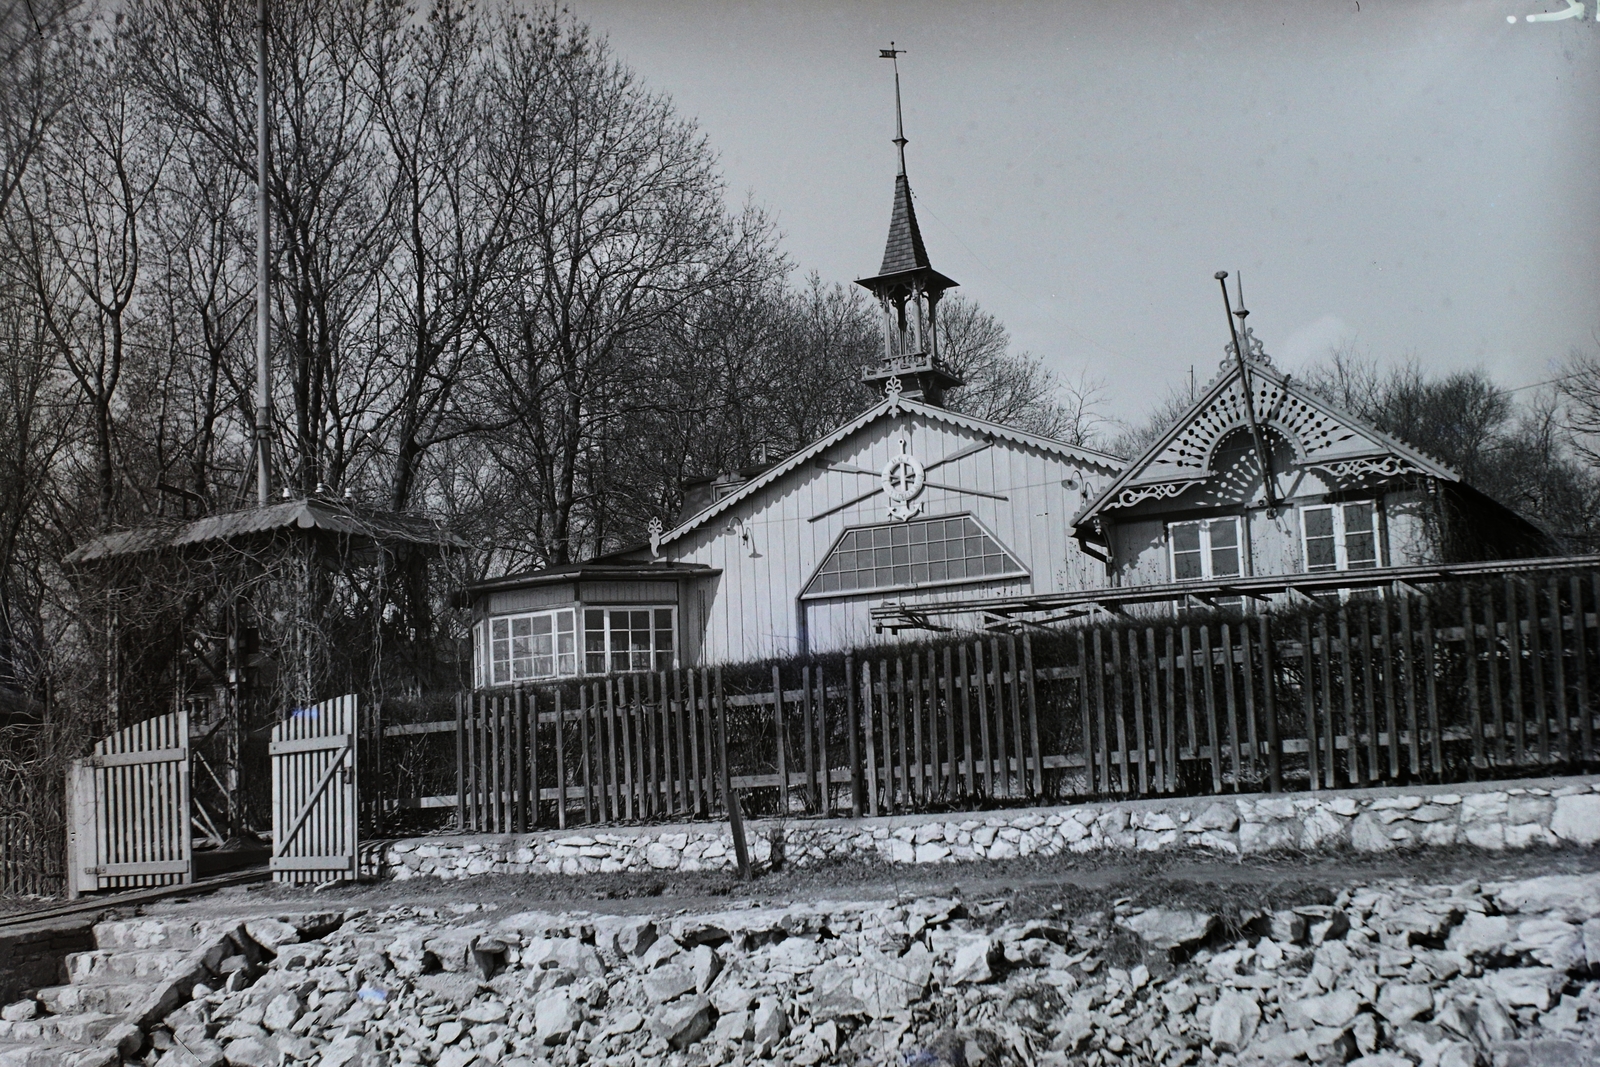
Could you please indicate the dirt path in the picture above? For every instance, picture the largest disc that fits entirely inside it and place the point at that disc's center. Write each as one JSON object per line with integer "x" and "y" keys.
{"x": 1032, "y": 886}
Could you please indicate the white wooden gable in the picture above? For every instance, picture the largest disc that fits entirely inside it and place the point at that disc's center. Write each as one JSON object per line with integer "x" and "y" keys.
{"x": 1320, "y": 436}
{"x": 771, "y": 540}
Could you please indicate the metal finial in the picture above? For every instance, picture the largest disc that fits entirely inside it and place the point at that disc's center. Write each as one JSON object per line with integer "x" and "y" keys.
{"x": 892, "y": 54}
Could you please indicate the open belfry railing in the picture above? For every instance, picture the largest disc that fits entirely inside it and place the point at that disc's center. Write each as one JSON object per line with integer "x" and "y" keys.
{"x": 1447, "y": 682}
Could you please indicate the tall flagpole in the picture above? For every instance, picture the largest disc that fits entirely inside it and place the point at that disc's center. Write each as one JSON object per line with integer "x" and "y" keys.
{"x": 263, "y": 308}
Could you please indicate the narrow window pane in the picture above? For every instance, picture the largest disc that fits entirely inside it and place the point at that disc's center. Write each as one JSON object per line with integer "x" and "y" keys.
{"x": 1186, "y": 564}
{"x": 1321, "y": 554}
{"x": 1224, "y": 536}
{"x": 1360, "y": 539}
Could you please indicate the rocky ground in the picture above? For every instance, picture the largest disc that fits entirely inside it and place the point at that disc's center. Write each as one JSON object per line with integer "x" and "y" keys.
{"x": 1389, "y": 972}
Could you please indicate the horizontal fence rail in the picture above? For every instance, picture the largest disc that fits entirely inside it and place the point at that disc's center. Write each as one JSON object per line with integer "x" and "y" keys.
{"x": 1448, "y": 683}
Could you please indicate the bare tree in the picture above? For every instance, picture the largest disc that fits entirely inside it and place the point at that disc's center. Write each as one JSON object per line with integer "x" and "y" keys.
{"x": 622, "y": 232}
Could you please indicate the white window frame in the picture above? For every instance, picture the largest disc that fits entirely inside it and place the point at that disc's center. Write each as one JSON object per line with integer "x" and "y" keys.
{"x": 656, "y": 650}
{"x": 1206, "y": 573}
{"x": 1341, "y": 553}
{"x": 485, "y": 668}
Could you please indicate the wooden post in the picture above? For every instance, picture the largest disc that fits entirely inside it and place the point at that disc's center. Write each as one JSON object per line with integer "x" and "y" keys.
{"x": 888, "y": 735}
{"x": 1018, "y": 742}
{"x": 810, "y": 739}
{"x": 1161, "y": 771}
{"x": 588, "y": 753}
{"x": 1120, "y": 712}
{"x": 1308, "y": 699}
{"x": 1136, "y": 684}
{"x": 1169, "y": 639}
{"x": 1269, "y": 707}
{"x": 1391, "y": 703}
{"x": 1430, "y": 671}
{"x": 1033, "y": 714}
{"x": 1492, "y": 664}
{"x": 1247, "y": 667}
{"x": 852, "y": 732}
{"x": 966, "y": 719}
{"x": 709, "y": 719}
{"x": 1207, "y": 666}
{"x": 822, "y": 742}
{"x": 983, "y": 718}
{"x": 870, "y": 778}
{"x": 1541, "y": 708}
{"x": 561, "y": 763}
{"x": 783, "y": 740}
{"x": 919, "y": 752}
{"x": 741, "y": 851}
{"x": 1369, "y": 703}
{"x": 1580, "y": 631}
{"x": 1469, "y": 634}
{"x": 522, "y": 764}
{"x": 1330, "y": 771}
{"x": 461, "y": 765}
{"x": 1558, "y": 656}
{"x": 1001, "y": 750}
{"x": 1085, "y": 713}
{"x": 691, "y": 702}
{"x": 904, "y": 772}
{"x": 1347, "y": 673}
{"x": 1231, "y": 698}
{"x": 1408, "y": 676}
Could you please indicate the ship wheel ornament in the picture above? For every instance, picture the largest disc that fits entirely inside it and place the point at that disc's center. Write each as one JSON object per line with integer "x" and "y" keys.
{"x": 903, "y": 479}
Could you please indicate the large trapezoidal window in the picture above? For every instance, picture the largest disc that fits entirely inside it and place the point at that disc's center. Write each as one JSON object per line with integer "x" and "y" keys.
{"x": 906, "y": 555}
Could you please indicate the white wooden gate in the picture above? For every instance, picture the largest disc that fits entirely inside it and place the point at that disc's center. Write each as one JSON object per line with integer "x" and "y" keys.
{"x": 314, "y": 812}
{"x": 128, "y": 809}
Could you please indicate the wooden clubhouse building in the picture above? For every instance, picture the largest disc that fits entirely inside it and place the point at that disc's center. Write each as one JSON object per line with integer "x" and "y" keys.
{"x": 911, "y": 518}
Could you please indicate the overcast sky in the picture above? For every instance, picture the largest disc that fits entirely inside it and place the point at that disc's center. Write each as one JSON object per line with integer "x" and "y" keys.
{"x": 1420, "y": 177}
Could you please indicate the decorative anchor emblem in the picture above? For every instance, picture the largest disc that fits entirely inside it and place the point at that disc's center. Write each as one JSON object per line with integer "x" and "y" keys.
{"x": 903, "y": 479}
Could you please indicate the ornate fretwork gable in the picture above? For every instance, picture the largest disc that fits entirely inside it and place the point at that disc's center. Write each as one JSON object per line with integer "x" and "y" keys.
{"x": 1315, "y": 433}
{"x": 1319, "y": 435}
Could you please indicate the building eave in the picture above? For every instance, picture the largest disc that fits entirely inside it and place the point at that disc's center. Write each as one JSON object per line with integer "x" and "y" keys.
{"x": 889, "y": 405}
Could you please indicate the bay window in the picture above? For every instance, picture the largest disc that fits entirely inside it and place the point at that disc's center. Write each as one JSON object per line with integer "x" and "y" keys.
{"x": 530, "y": 647}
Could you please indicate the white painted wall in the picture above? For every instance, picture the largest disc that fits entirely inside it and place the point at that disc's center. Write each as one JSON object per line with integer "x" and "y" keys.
{"x": 752, "y": 610}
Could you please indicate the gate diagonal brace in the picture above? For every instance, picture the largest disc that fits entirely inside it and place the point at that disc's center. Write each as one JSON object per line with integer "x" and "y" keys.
{"x": 311, "y": 802}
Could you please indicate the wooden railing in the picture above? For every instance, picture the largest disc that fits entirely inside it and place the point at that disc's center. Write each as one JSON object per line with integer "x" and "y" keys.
{"x": 1438, "y": 683}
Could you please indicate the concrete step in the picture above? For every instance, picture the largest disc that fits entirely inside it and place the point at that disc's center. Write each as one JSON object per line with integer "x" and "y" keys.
{"x": 156, "y": 934}
{"x": 113, "y": 997}
{"x": 99, "y": 965}
{"x": 57, "y": 1055}
{"x": 79, "y": 1028}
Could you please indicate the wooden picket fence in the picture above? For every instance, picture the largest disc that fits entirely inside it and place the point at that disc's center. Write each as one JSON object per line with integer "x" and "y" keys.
{"x": 1446, "y": 683}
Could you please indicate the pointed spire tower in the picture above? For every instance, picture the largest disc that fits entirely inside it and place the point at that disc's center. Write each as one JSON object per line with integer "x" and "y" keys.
{"x": 908, "y": 290}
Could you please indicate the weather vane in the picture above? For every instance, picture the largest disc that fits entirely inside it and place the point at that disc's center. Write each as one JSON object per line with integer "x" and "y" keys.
{"x": 893, "y": 54}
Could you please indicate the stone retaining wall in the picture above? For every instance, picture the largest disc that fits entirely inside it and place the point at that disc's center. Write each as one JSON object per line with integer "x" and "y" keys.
{"x": 1495, "y": 815}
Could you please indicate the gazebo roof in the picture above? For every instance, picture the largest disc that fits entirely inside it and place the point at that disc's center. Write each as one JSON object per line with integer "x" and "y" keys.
{"x": 309, "y": 514}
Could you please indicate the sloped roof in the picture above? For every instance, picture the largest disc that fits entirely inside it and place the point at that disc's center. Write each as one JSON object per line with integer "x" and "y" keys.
{"x": 1321, "y": 435}
{"x": 905, "y": 250}
{"x": 887, "y": 406}
{"x": 305, "y": 514}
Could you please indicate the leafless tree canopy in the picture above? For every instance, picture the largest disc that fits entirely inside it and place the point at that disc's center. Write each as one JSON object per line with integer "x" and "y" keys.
{"x": 507, "y": 288}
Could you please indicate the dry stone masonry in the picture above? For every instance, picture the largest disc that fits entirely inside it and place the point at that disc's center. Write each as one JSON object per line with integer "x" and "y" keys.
{"x": 1385, "y": 975}
{"x": 1496, "y": 816}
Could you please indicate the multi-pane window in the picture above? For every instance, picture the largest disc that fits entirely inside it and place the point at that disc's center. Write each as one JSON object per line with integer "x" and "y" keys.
{"x": 1340, "y": 537}
{"x": 627, "y": 639}
{"x": 525, "y": 648}
{"x": 1207, "y": 548}
{"x": 905, "y": 555}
